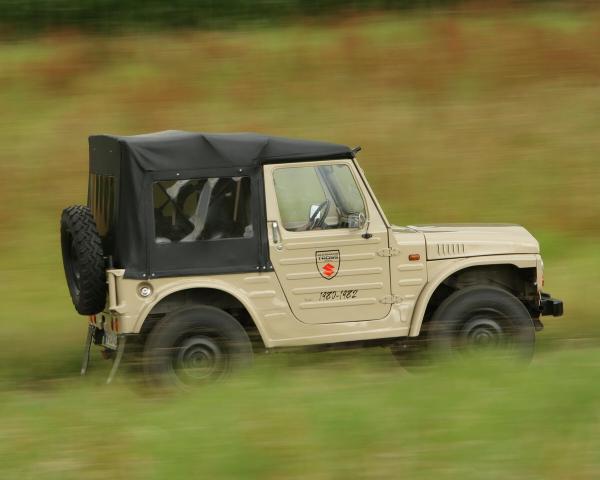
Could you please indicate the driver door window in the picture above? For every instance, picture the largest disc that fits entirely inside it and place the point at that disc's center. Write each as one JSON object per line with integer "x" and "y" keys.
{"x": 317, "y": 197}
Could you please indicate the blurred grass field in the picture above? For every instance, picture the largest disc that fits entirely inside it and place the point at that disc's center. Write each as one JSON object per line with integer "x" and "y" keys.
{"x": 334, "y": 419}
{"x": 479, "y": 117}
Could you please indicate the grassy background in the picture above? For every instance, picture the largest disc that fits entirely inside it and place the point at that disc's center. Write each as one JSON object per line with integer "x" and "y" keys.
{"x": 462, "y": 118}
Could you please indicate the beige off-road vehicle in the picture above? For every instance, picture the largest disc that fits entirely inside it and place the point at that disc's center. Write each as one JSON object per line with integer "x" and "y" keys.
{"x": 202, "y": 249}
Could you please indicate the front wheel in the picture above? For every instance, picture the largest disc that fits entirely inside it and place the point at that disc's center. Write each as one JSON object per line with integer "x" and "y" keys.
{"x": 480, "y": 319}
{"x": 195, "y": 346}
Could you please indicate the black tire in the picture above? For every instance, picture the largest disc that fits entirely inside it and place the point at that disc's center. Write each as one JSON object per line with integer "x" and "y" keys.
{"x": 195, "y": 346}
{"x": 83, "y": 259}
{"x": 480, "y": 317}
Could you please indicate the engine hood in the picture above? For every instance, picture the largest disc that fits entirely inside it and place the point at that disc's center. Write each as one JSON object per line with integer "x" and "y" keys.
{"x": 470, "y": 240}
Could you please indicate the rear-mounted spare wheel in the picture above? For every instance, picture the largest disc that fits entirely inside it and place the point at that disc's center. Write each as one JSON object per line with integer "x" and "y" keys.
{"x": 83, "y": 259}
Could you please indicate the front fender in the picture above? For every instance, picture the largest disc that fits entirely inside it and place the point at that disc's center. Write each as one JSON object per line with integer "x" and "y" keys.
{"x": 440, "y": 270}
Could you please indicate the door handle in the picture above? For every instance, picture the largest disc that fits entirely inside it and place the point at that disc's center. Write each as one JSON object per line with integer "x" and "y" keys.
{"x": 276, "y": 233}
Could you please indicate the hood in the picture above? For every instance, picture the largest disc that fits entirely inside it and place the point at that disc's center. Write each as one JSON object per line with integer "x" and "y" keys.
{"x": 470, "y": 240}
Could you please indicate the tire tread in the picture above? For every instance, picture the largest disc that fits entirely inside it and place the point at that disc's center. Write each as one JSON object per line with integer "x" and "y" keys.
{"x": 78, "y": 221}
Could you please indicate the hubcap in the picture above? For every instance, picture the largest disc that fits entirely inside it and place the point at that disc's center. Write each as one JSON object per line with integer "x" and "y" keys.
{"x": 482, "y": 332}
{"x": 197, "y": 359}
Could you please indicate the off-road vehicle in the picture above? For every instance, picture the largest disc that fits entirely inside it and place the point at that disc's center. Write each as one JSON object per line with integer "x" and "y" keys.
{"x": 201, "y": 249}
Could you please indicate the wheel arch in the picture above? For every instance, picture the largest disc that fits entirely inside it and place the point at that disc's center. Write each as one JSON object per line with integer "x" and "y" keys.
{"x": 222, "y": 296}
{"x": 445, "y": 270}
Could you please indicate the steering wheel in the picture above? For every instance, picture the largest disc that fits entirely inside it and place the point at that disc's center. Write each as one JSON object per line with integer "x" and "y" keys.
{"x": 317, "y": 219}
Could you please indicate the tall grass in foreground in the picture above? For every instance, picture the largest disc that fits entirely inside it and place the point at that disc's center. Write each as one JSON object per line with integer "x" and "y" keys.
{"x": 333, "y": 418}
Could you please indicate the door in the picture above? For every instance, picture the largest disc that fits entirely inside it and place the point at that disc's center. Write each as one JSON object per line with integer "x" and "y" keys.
{"x": 327, "y": 242}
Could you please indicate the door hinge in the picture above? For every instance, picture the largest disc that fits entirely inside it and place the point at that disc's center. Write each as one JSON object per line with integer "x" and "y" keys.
{"x": 388, "y": 252}
{"x": 390, "y": 299}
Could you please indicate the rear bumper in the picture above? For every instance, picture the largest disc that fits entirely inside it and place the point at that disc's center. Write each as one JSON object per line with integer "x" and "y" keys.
{"x": 550, "y": 306}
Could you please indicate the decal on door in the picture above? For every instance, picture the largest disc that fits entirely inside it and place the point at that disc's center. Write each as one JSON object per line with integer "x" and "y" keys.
{"x": 337, "y": 295}
{"x": 328, "y": 263}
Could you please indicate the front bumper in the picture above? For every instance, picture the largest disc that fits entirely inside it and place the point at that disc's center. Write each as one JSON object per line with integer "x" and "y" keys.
{"x": 550, "y": 306}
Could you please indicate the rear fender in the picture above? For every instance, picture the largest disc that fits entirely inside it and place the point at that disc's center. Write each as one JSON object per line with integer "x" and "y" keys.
{"x": 133, "y": 309}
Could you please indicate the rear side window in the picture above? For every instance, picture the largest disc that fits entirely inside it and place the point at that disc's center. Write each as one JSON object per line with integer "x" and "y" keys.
{"x": 202, "y": 209}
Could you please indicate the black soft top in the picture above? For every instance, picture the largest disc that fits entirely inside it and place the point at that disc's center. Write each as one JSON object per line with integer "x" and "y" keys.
{"x": 123, "y": 170}
{"x": 180, "y": 150}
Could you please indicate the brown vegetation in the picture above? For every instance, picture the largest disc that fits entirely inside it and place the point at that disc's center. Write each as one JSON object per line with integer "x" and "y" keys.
{"x": 499, "y": 106}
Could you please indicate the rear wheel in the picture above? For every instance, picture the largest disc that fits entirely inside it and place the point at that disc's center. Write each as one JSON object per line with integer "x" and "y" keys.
{"x": 195, "y": 346}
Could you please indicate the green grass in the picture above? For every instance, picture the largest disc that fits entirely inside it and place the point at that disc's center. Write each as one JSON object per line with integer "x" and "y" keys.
{"x": 461, "y": 118}
{"x": 334, "y": 418}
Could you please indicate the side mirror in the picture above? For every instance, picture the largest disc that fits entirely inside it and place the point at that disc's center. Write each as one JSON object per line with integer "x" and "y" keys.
{"x": 356, "y": 220}
{"x": 312, "y": 210}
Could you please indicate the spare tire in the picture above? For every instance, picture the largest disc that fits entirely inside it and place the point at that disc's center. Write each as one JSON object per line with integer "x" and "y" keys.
{"x": 83, "y": 259}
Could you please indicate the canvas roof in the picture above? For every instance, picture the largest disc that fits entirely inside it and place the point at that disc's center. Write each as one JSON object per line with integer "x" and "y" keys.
{"x": 180, "y": 150}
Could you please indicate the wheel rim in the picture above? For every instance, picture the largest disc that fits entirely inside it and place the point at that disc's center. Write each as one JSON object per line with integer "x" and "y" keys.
{"x": 198, "y": 359}
{"x": 484, "y": 330}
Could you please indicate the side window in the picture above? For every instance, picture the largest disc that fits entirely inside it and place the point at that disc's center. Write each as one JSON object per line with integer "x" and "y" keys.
{"x": 202, "y": 209}
{"x": 317, "y": 197}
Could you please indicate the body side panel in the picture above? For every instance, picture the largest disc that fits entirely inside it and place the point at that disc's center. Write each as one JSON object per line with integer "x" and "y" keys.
{"x": 262, "y": 296}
